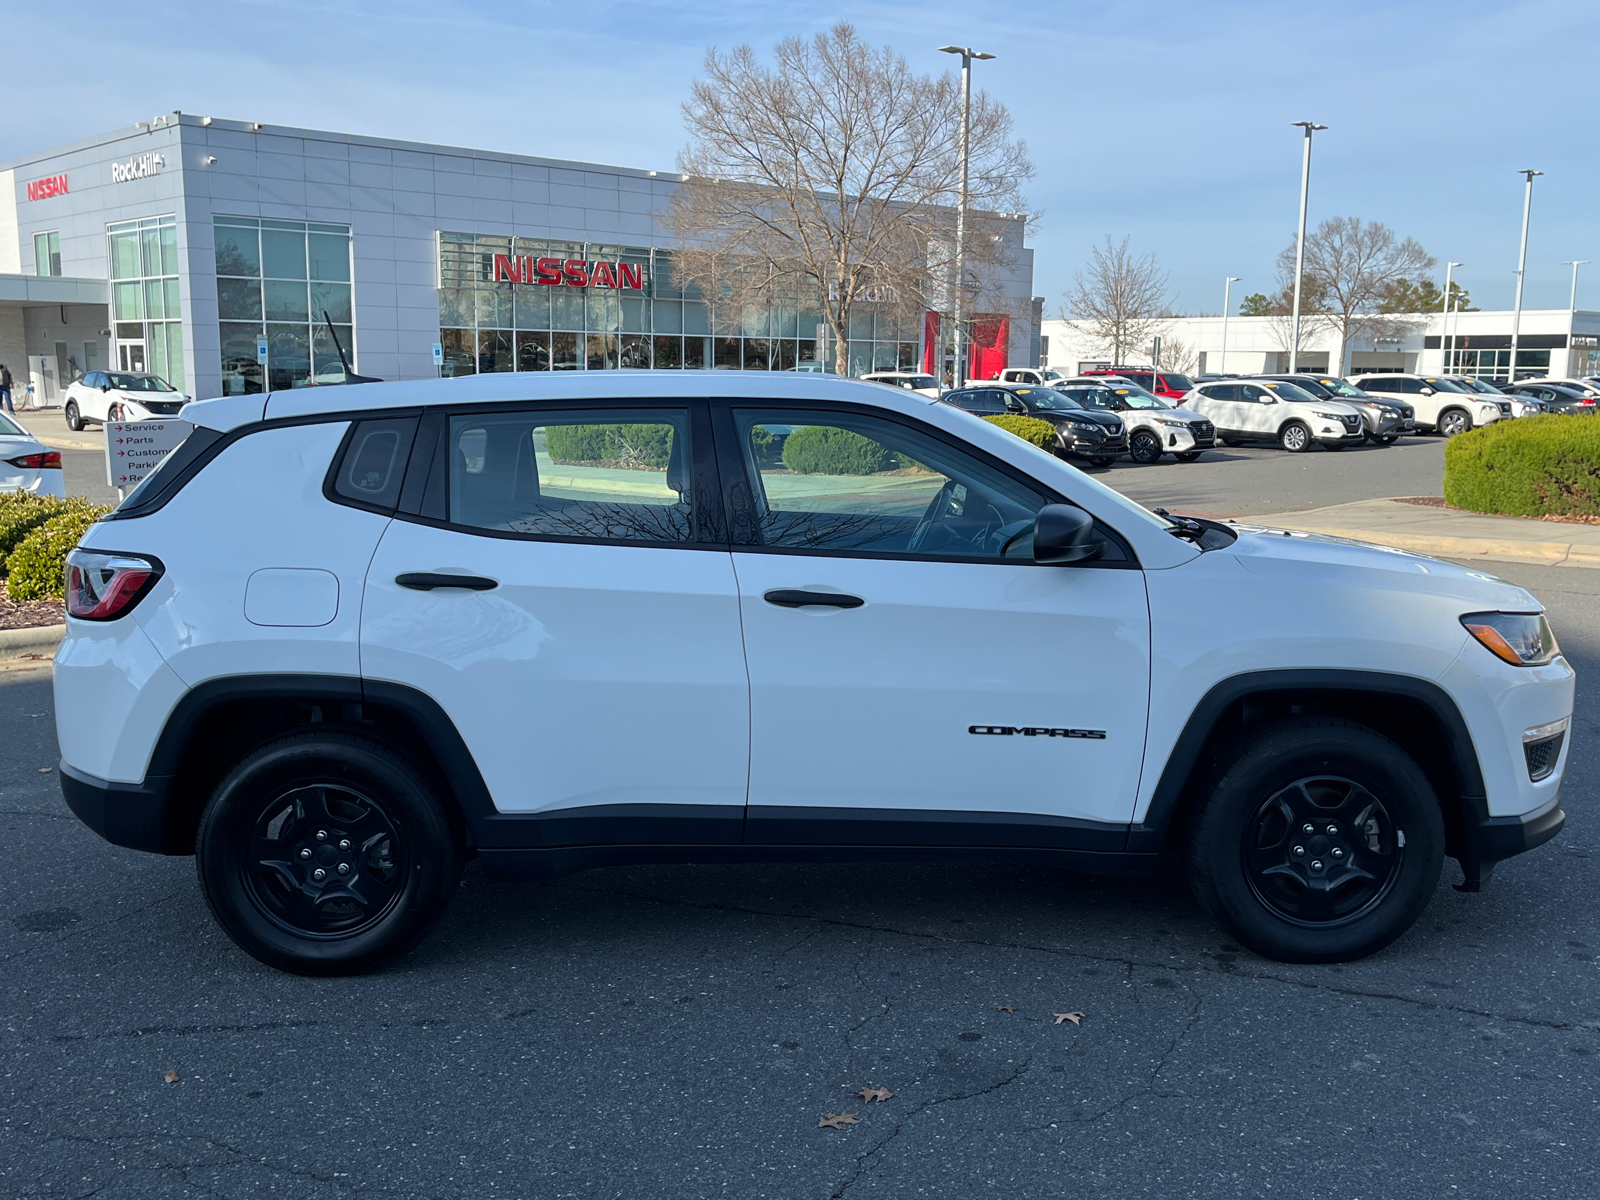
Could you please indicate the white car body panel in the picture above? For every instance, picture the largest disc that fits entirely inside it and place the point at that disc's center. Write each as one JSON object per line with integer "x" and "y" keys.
{"x": 1481, "y": 409}
{"x": 114, "y": 692}
{"x": 1262, "y": 421}
{"x": 40, "y": 481}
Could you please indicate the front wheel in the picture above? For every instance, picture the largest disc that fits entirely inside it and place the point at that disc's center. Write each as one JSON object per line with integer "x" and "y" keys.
{"x": 1102, "y": 462}
{"x": 1454, "y": 422}
{"x": 1144, "y": 447}
{"x": 1295, "y": 438}
{"x": 327, "y": 854}
{"x": 1229, "y": 441}
{"x": 1320, "y": 841}
{"x": 1188, "y": 456}
{"x": 1389, "y": 439}
{"x": 74, "y": 418}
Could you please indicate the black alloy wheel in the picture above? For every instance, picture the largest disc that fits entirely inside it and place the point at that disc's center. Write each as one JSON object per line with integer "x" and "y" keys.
{"x": 1318, "y": 840}
{"x": 1144, "y": 447}
{"x": 1295, "y": 437}
{"x": 74, "y": 420}
{"x": 328, "y": 854}
{"x": 1453, "y": 422}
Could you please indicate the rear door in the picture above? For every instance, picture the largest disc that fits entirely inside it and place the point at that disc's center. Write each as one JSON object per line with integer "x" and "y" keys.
{"x": 591, "y": 656}
{"x": 915, "y": 677}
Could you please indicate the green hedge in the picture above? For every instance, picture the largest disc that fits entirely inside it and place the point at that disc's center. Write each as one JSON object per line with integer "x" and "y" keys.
{"x": 1030, "y": 429}
{"x": 38, "y": 566}
{"x": 829, "y": 450}
{"x": 1530, "y": 467}
{"x": 638, "y": 446}
{"x": 23, "y": 512}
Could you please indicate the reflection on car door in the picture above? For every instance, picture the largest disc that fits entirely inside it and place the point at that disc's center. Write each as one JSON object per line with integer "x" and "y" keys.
{"x": 1260, "y": 418}
{"x": 598, "y": 679}
{"x": 915, "y": 677}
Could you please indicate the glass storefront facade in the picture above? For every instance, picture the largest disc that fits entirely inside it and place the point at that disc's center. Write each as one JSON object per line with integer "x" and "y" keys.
{"x": 1496, "y": 364}
{"x": 486, "y": 325}
{"x": 277, "y": 279}
{"x": 146, "y": 317}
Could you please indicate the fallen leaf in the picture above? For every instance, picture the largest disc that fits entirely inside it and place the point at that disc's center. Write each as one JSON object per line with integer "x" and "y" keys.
{"x": 1075, "y": 1017}
{"x": 1005, "y": 1008}
{"x": 880, "y": 1094}
{"x": 837, "y": 1120}
{"x": 44, "y": 770}
{"x": 170, "y": 1077}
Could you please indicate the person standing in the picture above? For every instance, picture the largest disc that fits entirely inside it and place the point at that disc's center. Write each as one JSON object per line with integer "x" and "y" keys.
{"x": 5, "y": 388}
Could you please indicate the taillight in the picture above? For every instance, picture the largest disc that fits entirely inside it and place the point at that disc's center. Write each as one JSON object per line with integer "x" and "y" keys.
{"x": 103, "y": 585}
{"x": 50, "y": 458}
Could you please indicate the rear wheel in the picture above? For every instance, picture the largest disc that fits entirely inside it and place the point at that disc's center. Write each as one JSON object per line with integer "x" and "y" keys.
{"x": 1320, "y": 841}
{"x": 327, "y": 854}
{"x": 74, "y": 419}
{"x": 1295, "y": 438}
{"x": 1144, "y": 447}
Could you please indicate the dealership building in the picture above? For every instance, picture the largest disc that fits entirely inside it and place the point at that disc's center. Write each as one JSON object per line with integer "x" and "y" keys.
{"x": 218, "y": 253}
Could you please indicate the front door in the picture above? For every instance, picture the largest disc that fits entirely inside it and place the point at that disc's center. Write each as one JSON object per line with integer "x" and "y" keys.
{"x": 1258, "y": 410}
{"x": 915, "y": 677}
{"x": 598, "y": 677}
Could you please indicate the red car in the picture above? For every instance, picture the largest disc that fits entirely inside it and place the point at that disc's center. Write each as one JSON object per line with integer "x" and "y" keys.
{"x": 1169, "y": 385}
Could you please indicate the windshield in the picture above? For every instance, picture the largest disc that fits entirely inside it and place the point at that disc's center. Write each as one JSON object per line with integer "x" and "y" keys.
{"x": 1048, "y": 374}
{"x": 917, "y": 381}
{"x": 1177, "y": 383}
{"x": 1339, "y": 387}
{"x": 139, "y": 383}
{"x": 8, "y": 426}
{"x": 1042, "y": 398}
{"x": 1445, "y": 385}
{"x": 1288, "y": 391}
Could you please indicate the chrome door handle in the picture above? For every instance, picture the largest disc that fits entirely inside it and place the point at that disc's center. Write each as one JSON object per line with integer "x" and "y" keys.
{"x": 799, "y": 598}
{"x": 426, "y": 581}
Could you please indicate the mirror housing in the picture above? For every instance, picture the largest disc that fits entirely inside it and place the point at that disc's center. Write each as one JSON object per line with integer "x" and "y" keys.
{"x": 1427, "y": 391}
{"x": 105, "y": 387}
{"x": 1064, "y": 534}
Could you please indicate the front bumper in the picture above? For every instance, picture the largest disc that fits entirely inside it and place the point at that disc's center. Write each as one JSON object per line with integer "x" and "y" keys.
{"x": 1108, "y": 447}
{"x": 1488, "y": 841}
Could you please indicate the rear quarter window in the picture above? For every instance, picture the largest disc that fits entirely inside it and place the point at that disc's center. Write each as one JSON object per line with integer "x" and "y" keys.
{"x": 372, "y": 463}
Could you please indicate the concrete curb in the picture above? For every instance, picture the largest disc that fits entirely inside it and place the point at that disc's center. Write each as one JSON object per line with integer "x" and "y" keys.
{"x": 67, "y": 443}
{"x": 42, "y": 639}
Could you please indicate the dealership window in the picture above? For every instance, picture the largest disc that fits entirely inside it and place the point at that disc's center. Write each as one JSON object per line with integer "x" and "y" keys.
{"x": 487, "y": 326}
{"x": 47, "y": 253}
{"x": 286, "y": 281}
{"x": 146, "y": 317}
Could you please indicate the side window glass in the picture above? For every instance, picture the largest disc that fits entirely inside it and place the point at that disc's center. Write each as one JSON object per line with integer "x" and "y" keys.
{"x": 374, "y": 462}
{"x": 611, "y": 476}
{"x": 855, "y": 482}
{"x": 1224, "y": 391}
{"x": 1251, "y": 393}
{"x": 1411, "y": 387}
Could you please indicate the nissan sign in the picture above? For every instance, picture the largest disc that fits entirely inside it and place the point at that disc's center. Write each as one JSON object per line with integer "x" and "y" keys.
{"x": 567, "y": 272}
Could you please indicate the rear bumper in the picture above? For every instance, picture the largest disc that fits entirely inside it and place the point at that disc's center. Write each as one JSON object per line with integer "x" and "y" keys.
{"x": 140, "y": 816}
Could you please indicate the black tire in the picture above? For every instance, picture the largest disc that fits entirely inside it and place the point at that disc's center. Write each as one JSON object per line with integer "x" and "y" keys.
{"x": 1452, "y": 422}
{"x": 1388, "y": 439}
{"x": 1295, "y": 437}
{"x": 1262, "y": 887}
{"x": 1102, "y": 462}
{"x": 1144, "y": 447}
{"x": 1188, "y": 455}
{"x": 1228, "y": 441}
{"x": 74, "y": 420}
{"x": 322, "y": 801}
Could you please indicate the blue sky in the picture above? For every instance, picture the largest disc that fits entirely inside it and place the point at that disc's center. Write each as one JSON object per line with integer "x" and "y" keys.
{"x": 1165, "y": 122}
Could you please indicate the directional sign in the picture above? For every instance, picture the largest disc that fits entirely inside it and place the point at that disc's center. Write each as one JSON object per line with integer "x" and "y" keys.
{"x": 135, "y": 448}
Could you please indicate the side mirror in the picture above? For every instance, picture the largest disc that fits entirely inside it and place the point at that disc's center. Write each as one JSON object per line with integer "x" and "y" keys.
{"x": 1016, "y": 406}
{"x": 1269, "y": 399}
{"x": 1064, "y": 534}
{"x": 105, "y": 387}
{"x": 1427, "y": 391}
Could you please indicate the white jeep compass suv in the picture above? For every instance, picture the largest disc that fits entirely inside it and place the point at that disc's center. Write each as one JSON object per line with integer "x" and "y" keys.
{"x": 344, "y": 637}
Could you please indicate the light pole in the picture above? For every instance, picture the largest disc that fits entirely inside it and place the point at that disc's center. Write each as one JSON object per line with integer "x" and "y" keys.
{"x": 1300, "y": 239}
{"x": 1522, "y": 265}
{"x": 967, "y": 54}
{"x": 1227, "y": 282}
{"x": 1582, "y": 262}
{"x": 1444, "y": 328}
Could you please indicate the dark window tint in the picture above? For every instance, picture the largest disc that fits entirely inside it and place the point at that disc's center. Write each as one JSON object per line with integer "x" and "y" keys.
{"x": 1177, "y": 383}
{"x": 970, "y": 401}
{"x": 374, "y": 463}
{"x": 852, "y": 482}
{"x": 1223, "y": 391}
{"x": 601, "y": 476}
{"x": 1379, "y": 385}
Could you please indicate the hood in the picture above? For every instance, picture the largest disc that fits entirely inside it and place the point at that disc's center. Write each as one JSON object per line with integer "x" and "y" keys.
{"x": 1185, "y": 414}
{"x": 1311, "y": 559}
{"x": 1062, "y": 416}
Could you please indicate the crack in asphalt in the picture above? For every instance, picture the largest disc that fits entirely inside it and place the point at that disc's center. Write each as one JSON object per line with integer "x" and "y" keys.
{"x": 79, "y": 930}
{"x": 1149, "y": 1088}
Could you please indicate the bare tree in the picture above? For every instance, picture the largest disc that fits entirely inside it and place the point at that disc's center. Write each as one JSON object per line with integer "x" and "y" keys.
{"x": 1352, "y": 267}
{"x": 831, "y": 178}
{"x": 1176, "y": 356}
{"x": 1119, "y": 300}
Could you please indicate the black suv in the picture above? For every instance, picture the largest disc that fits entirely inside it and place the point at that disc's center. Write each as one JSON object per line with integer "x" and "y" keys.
{"x": 1098, "y": 436}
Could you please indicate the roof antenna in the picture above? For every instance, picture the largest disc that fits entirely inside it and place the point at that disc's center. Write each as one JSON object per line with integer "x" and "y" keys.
{"x": 349, "y": 375}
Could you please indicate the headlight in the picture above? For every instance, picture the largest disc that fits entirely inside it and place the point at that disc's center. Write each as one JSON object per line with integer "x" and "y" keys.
{"x": 1521, "y": 639}
{"x": 1327, "y": 416}
{"x": 1169, "y": 421}
{"x": 1489, "y": 410}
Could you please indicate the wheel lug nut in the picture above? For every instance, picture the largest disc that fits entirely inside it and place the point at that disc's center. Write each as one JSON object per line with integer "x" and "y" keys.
{"x": 319, "y": 874}
{"x": 1308, "y": 827}
{"x": 344, "y": 843}
{"x": 1316, "y": 865}
{"x": 1338, "y": 852}
{"x": 322, "y": 835}
{"x": 306, "y": 853}
{"x": 344, "y": 868}
{"x": 1333, "y": 830}
{"x": 1299, "y": 851}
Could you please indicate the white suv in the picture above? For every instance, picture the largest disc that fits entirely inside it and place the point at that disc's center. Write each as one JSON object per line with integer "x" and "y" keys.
{"x": 1442, "y": 405}
{"x": 101, "y": 396}
{"x": 344, "y": 637}
{"x": 1246, "y": 410}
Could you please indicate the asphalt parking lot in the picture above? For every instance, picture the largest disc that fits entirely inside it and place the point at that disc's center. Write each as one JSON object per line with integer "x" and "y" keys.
{"x": 679, "y": 1031}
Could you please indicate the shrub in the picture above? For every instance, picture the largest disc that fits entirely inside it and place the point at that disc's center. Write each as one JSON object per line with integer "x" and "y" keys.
{"x": 22, "y": 512}
{"x": 1530, "y": 467}
{"x": 39, "y": 564}
{"x": 829, "y": 450}
{"x": 642, "y": 447}
{"x": 1030, "y": 429}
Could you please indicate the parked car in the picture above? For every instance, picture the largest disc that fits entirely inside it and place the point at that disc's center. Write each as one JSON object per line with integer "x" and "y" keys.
{"x": 1269, "y": 410}
{"x": 911, "y": 381}
{"x": 1384, "y": 418}
{"x": 1169, "y": 385}
{"x": 1521, "y": 406}
{"x": 101, "y": 396}
{"x": 1154, "y": 426}
{"x": 1441, "y": 405}
{"x": 1097, "y": 436}
{"x": 27, "y": 464}
{"x": 345, "y": 638}
{"x": 1555, "y": 397}
{"x": 1035, "y": 376}
{"x": 1586, "y": 386}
